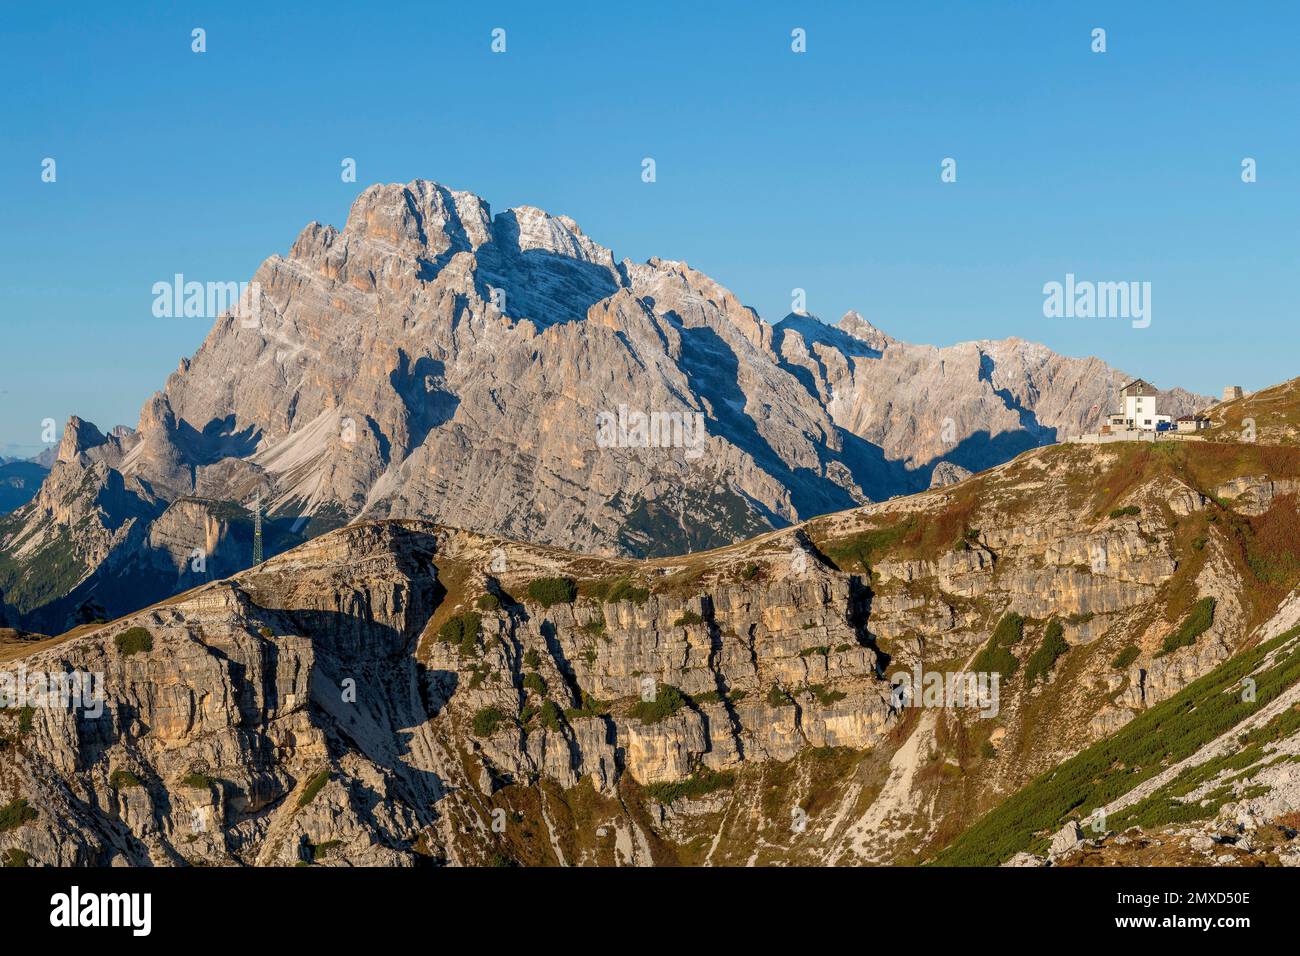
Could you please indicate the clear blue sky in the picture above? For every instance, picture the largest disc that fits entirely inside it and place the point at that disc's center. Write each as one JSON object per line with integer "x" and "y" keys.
{"x": 775, "y": 170}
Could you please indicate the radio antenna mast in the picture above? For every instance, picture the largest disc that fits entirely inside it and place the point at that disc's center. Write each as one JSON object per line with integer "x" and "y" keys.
{"x": 257, "y": 529}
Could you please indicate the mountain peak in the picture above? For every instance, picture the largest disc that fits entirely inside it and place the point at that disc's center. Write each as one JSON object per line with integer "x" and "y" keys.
{"x": 421, "y": 217}
{"x": 528, "y": 228}
{"x": 78, "y": 436}
{"x": 855, "y": 325}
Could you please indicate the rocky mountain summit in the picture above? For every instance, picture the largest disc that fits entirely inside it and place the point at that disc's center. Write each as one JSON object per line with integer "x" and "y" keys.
{"x": 432, "y": 360}
{"x": 398, "y": 692}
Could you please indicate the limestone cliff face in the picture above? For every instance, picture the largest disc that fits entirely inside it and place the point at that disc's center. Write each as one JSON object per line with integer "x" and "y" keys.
{"x": 399, "y": 693}
{"x": 319, "y": 666}
{"x": 206, "y": 732}
{"x": 725, "y": 651}
{"x": 433, "y": 360}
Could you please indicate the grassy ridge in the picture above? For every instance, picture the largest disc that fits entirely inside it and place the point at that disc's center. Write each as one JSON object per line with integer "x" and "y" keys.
{"x": 1152, "y": 741}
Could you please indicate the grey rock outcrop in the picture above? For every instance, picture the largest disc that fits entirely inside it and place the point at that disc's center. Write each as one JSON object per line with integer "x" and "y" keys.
{"x": 1069, "y": 836}
{"x": 946, "y": 473}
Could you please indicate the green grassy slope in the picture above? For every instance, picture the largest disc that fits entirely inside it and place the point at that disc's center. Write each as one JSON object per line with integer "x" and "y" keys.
{"x": 1150, "y": 743}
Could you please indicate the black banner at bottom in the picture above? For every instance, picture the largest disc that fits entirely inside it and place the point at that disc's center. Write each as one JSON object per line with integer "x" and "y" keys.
{"x": 334, "y": 905}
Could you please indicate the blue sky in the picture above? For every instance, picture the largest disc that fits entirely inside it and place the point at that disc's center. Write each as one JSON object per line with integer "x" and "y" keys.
{"x": 776, "y": 170}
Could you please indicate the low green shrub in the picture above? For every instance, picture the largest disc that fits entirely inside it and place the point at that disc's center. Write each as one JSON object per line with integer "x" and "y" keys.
{"x": 551, "y": 591}
{"x": 1009, "y": 630}
{"x": 133, "y": 640}
{"x": 26, "y": 715}
{"x": 1197, "y": 622}
{"x": 591, "y": 707}
{"x": 995, "y": 657}
{"x": 314, "y": 786}
{"x": 668, "y": 700}
{"x": 996, "y": 660}
{"x": 551, "y": 717}
{"x": 16, "y": 813}
{"x": 776, "y": 697}
{"x": 714, "y": 697}
{"x": 1042, "y": 661}
{"x": 487, "y": 721}
{"x": 123, "y": 780}
{"x": 319, "y": 850}
{"x": 463, "y": 631}
{"x": 536, "y": 683}
{"x": 1125, "y": 657}
{"x": 823, "y": 696}
{"x": 700, "y": 783}
{"x": 624, "y": 589}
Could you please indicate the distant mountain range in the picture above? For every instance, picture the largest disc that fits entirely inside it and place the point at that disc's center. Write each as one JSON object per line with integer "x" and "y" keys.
{"x": 380, "y": 695}
{"x": 434, "y": 361}
{"x": 19, "y": 482}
